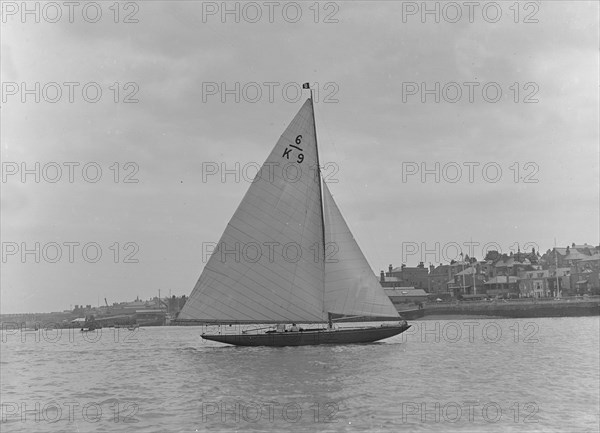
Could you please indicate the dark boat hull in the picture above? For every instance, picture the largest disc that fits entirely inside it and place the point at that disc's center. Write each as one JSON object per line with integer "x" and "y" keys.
{"x": 310, "y": 337}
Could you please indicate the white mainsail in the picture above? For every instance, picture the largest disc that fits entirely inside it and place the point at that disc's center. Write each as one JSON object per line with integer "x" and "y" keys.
{"x": 269, "y": 265}
{"x": 264, "y": 268}
{"x": 351, "y": 287}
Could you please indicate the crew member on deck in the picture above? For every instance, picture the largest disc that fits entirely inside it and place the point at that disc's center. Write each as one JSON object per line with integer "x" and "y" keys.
{"x": 294, "y": 328}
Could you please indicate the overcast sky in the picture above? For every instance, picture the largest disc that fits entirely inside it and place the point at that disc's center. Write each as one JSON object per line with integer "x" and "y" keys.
{"x": 375, "y": 131}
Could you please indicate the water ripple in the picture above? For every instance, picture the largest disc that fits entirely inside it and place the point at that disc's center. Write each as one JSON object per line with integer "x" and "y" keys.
{"x": 167, "y": 379}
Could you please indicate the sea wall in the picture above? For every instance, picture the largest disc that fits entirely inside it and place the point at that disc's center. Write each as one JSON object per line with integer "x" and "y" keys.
{"x": 518, "y": 309}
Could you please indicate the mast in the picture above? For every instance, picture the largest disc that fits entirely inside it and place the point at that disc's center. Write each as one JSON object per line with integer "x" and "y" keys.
{"x": 557, "y": 293}
{"x": 312, "y": 103}
{"x": 474, "y": 279}
{"x": 464, "y": 288}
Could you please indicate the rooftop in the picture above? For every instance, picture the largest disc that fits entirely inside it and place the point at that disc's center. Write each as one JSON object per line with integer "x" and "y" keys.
{"x": 468, "y": 271}
{"x": 576, "y": 255}
{"x": 594, "y": 258}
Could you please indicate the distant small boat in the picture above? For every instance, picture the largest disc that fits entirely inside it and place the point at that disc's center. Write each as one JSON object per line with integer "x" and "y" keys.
{"x": 326, "y": 275}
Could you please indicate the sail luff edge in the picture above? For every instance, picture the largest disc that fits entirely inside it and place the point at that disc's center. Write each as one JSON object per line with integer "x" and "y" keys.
{"x": 312, "y": 103}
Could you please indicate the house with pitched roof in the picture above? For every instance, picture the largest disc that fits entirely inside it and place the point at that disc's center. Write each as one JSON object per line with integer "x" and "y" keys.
{"x": 585, "y": 276}
{"x": 534, "y": 283}
{"x": 469, "y": 281}
{"x": 503, "y": 286}
{"x": 438, "y": 278}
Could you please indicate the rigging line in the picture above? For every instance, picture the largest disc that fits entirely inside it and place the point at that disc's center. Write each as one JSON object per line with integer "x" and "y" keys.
{"x": 307, "y": 201}
{"x": 319, "y": 179}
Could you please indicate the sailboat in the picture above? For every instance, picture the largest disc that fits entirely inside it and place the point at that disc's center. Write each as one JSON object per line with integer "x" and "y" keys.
{"x": 287, "y": 257}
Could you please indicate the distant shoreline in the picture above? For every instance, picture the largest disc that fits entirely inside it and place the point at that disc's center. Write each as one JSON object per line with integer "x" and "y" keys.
{"x": 522, "y": 308}
{"x": 463, "y": 310}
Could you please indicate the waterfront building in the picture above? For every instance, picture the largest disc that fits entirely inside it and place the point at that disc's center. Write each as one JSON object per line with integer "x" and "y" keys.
{"x": 520, "y": 274}
{"x": 387, "y": 281}
{"x": 534, "y": 283}
{"x": 569, "y": 255}
{"x": 585, "y": 276}
{"x": 441, "y": 278}
{"x": 438, "y": 278}
{"x": 405, "y": 276}
{"x": 509, "y": 265}
{"x": 503, "y": 286}
{"x": 468, "y": 283}
{"x": 562, "y": 278}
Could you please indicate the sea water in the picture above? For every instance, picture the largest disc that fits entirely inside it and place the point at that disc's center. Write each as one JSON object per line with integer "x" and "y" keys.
{"x": 470, "y": 375}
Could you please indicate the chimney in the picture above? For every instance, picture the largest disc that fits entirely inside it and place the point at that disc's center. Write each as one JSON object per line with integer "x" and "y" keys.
{"x": 390, "y": 269}
{"x": 382, "y": 277}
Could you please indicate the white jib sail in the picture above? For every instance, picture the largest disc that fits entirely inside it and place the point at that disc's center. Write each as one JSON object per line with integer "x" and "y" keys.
{"x": 267, "y": 266}
{"x": 351, "y": 287}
